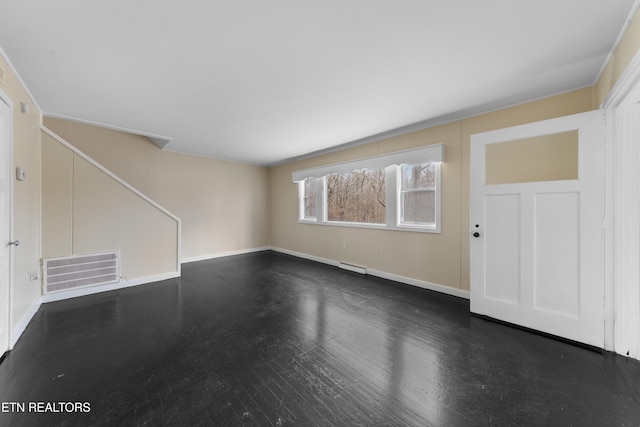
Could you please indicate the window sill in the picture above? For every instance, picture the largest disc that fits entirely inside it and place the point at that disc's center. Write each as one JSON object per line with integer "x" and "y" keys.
{"x": 307, "y": 221}
{"x": 412, "y": 228}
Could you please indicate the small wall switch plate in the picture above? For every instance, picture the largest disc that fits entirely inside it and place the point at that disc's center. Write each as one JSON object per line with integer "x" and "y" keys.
{"x": 21, "y": 174}
{"x": 33, "y": 275}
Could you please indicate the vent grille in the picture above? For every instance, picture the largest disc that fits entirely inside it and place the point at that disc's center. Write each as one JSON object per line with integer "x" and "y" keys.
{"x": 362, "y": 269}
{"x": 80, "y": 271}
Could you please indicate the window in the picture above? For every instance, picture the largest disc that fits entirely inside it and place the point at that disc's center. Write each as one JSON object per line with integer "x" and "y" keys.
{"x": 418, "y": 201}
{"x": 309, "y": 199}
{"x": 398, "y": 191}
{"x": 357, "y": 196}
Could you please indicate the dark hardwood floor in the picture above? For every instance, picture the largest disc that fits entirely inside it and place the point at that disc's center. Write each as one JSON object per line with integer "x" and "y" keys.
{"x": 270, "y": 340}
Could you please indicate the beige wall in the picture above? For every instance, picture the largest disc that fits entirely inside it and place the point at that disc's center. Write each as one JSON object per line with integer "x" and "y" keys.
{"x": 87, "y": 211}
{"x": 441, "y": 259}
{"x": 551, "y": 157}
{"x": 223, "y": 205}
{"x": 26, "y": 197}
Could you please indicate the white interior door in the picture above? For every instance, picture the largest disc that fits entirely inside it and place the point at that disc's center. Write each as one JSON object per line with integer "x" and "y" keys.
{"x": 537, "y": 238}
{"x": 5, "y": 224}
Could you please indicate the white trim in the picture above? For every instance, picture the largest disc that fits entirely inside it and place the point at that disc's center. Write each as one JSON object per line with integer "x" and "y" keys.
{"x": 625, "y": 83}
{"x": 622, "y": 306}
{"x": 609, "y": 232}
{"x": 306, "y": 256}
{"x": 421, "y": 284}
{"x": 627, "y": 229}
{"x": 616, "y": 43}
{"x": 374, "y": 226}
{"x": 80, "y": 292}
{"x": 107, "y": 171}
{"x": 157, "y": 140}
{"x": 222, "y": 254}
{"x": 127, "y": 186}
{"x": 384, "y": 275}
{"x": 426, "y": 154}
{"x": 19, "y": 329}
{"x": 4, "y": 97}
{"x": 399, "y": 208}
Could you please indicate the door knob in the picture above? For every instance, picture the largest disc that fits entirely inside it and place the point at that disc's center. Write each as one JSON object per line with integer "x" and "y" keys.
{"x": 476, "y": 234}
{"x": 15, "y": 243}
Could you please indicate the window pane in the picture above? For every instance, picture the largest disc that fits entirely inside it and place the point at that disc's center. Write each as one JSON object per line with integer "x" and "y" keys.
{"x": 418, "y": 176}
{"x": 309, "y": 187}
{"x": 310, "y": 207}
{"x": 310, "y": 198}
{"x": 357, "y": 196}
{"x": 419, "y": 207}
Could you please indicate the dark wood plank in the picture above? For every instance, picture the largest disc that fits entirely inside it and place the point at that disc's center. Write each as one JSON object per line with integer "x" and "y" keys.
{"x": 271, "y": 340}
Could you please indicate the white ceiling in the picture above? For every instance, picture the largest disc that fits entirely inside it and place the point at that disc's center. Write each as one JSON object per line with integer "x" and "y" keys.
{"x": 266, "y": 81}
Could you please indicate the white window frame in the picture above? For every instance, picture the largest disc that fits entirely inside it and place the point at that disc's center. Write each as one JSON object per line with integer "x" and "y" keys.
{"x": 320, "y": 208}
{"x": 437, "y": 190}
{"x": 390, "y": 163}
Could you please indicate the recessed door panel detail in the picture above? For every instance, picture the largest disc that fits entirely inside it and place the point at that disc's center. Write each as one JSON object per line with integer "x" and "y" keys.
{"x": 557, "y": 253}
{"x": 502, "y": 247}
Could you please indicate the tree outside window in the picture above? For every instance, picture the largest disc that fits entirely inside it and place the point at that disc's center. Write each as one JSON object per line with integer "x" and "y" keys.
{"x": 357, "y": 196}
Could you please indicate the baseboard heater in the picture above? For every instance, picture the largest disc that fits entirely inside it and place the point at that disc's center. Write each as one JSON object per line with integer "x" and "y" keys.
{"x": 362, "y": 269}
{"x": 80, "y": 271}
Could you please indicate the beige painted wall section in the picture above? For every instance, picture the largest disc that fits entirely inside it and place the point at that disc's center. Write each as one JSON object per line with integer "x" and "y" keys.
{"x": 622, "y": 56}
{"x": 429, "y": 257}
{"x": 87, "y": 211}
{"x": 57, "y": 198}
{"x": 223, "y": 205}
{"x": 108, "y": 216}
{"x": 441, "y": 259}
{"x": 26, "y": 196}
{"x": 551, "y": 157}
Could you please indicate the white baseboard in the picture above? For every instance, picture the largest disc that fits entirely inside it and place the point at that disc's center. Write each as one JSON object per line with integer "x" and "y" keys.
{"x": 306, "y": 256}
{"x": 222, "y": 254}
{"x": 17, "y": 331}
{"x": 74, "y": 293}
{"x": 384, "y": 275}
{"x": 421, "y": 284}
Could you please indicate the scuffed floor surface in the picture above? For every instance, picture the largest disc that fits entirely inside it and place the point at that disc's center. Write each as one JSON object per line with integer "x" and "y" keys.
{"x": 270, "y": 340}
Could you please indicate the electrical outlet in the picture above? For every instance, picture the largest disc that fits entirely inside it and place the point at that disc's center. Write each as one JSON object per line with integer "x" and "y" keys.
{"x": 344, "y": 246}
{"x": 33, "y": 275}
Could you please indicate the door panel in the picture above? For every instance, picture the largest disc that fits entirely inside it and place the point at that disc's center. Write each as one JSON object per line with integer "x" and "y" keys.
{"x": 502, "y": 255}
{"x": 537, "y": 247}
{"x": 557, "y": 254}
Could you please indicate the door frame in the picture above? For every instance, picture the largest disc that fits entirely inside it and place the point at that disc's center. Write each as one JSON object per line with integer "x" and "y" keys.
{"x": 622, "y": 324}
{"x": 10, "y": 294}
